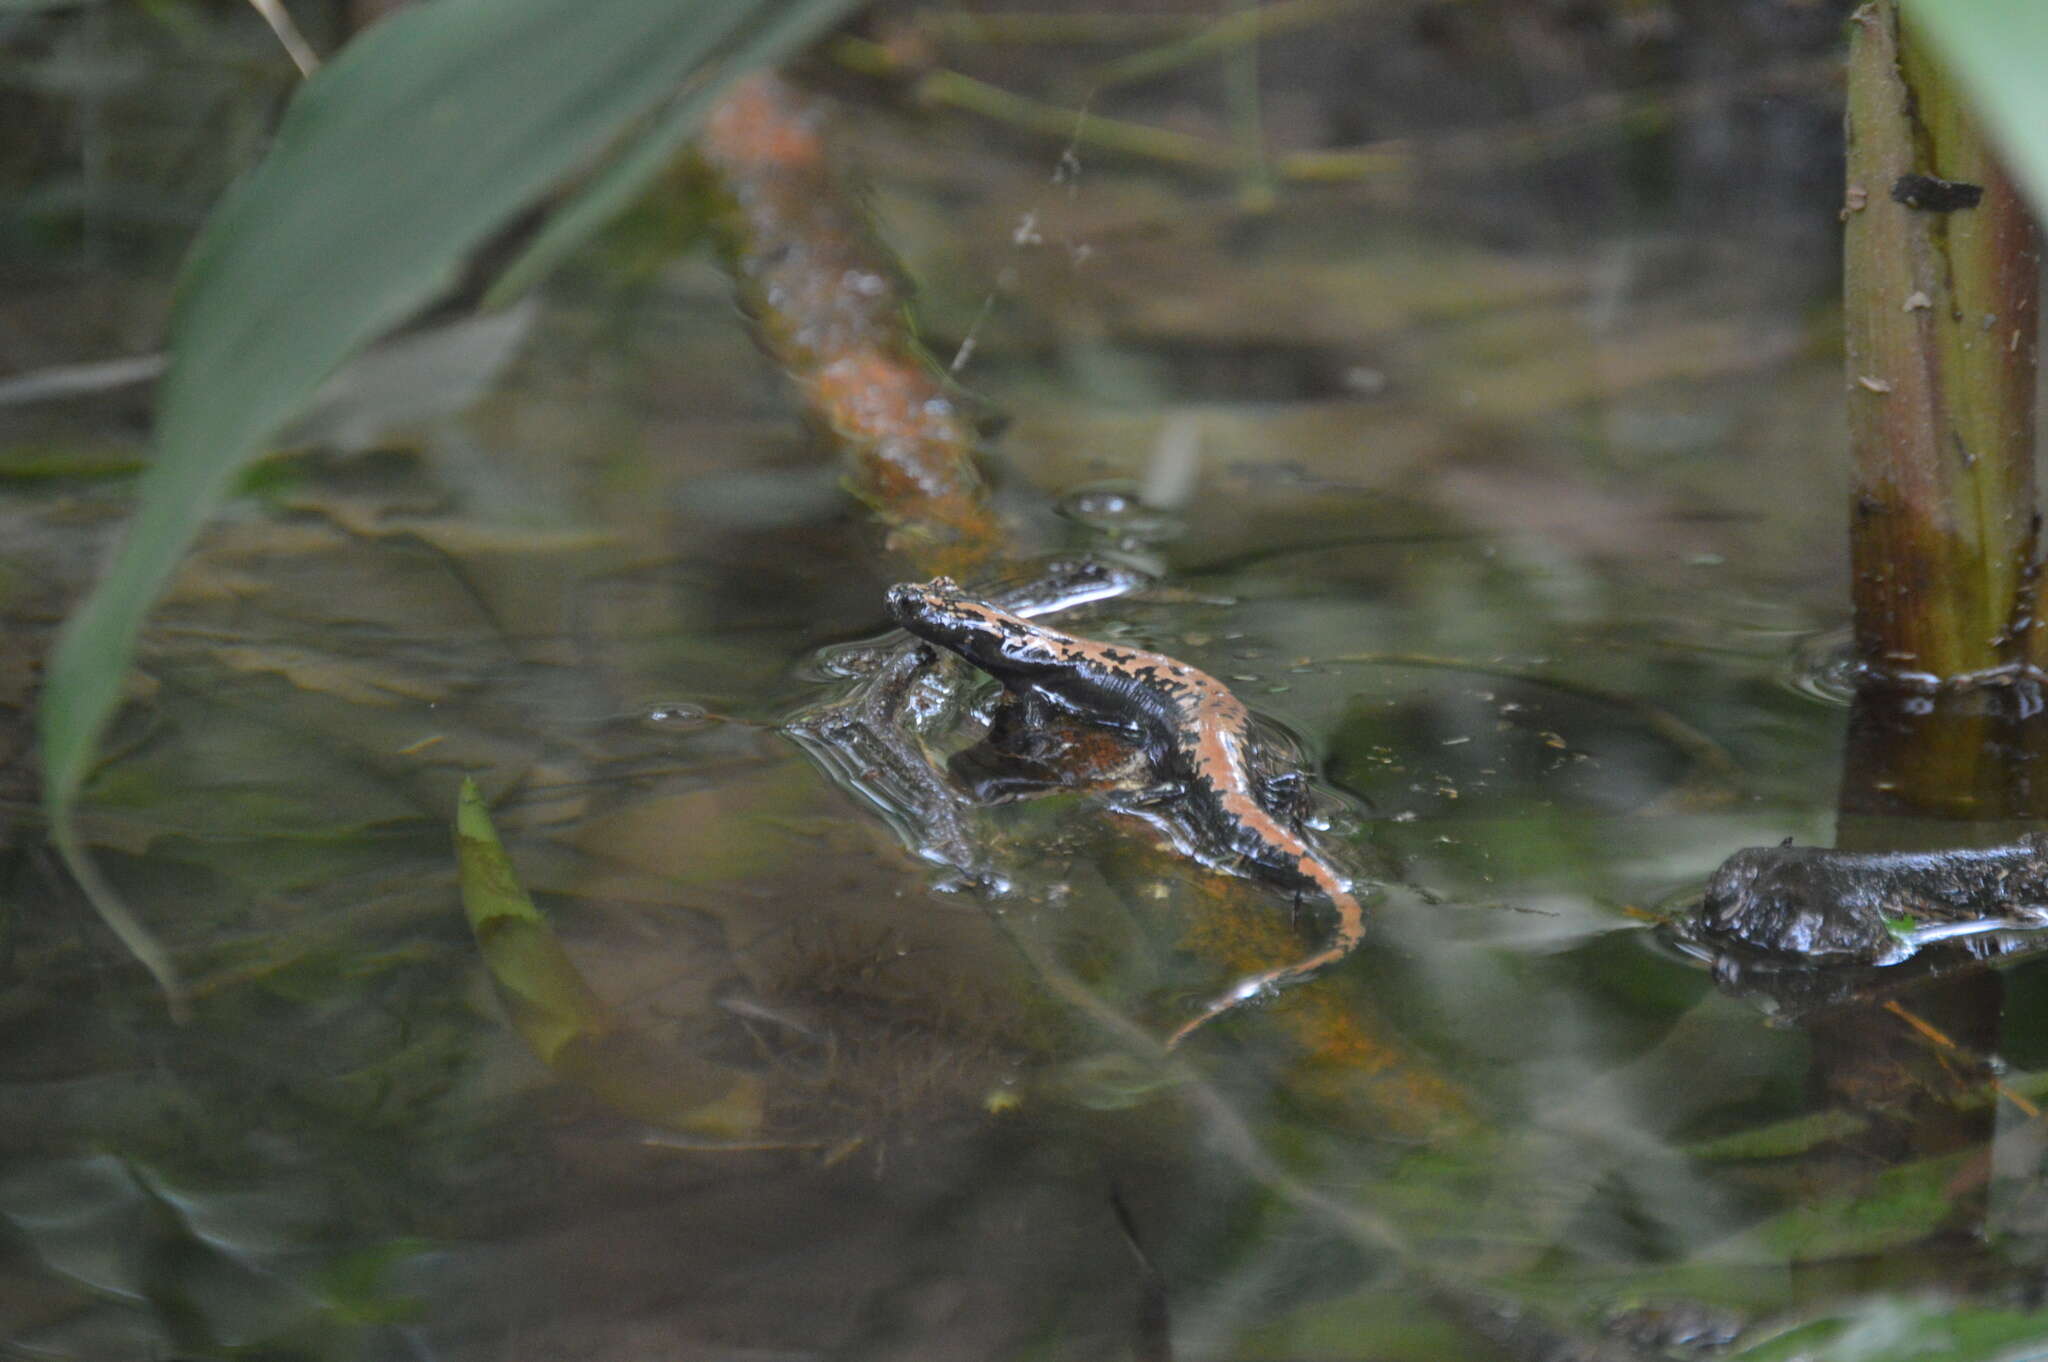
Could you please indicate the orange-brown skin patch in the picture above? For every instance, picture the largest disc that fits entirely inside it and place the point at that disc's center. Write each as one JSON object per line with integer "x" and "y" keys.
{"x": 1196, "y": 735}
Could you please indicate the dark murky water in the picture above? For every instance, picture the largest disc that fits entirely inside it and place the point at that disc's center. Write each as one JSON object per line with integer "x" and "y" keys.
{"x": 1513, "y": 493}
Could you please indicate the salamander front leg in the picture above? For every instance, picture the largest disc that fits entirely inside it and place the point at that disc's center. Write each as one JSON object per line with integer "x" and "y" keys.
{"x": 1152, "y": 796}
{"x": 1022, "y": 727}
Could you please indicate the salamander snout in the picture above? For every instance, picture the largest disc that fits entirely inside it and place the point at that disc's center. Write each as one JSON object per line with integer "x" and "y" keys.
{"x": 911, "y": 603}
{"x": 905, "y": 602}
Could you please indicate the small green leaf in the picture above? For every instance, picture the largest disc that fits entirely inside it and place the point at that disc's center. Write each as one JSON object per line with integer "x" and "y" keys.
{"x": 1781, "y": 1139}
{"x": 561, "y": 1017}
{"x": 357, "y": 1285}
{"x": 543, "y": 991}
{"x": 1901, "y": 1206}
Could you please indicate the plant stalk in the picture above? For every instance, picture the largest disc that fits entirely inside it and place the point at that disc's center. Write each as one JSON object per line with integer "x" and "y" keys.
{"x": 1941, "y": 295}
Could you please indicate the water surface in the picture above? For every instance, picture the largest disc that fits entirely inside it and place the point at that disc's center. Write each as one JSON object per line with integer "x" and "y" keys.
{"x": 1514, "y": 494}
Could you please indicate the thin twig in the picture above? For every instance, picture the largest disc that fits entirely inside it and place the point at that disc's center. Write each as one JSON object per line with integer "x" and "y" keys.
{"x": 1247, "y": 118}
{"x": 1522, "y": 140}
{"x": 288, "y": 35}
{"x": 76, "y": 380}
{"x": 1031, "y": 28}
{"x": 1239, "y": 29}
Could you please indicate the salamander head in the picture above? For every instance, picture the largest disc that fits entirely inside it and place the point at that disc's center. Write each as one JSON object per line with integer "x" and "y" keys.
{"x": 994, "y": 640}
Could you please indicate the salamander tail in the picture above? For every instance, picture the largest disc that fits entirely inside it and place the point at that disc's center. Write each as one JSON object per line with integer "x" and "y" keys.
{"x": 1254, "y": 987}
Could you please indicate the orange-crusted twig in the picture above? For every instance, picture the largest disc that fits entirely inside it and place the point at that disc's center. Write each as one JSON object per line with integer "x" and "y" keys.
{"x": 831, "y": 311}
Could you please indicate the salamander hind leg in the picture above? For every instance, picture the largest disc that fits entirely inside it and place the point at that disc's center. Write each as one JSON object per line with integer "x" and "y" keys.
{"x": 1285, "y": 795}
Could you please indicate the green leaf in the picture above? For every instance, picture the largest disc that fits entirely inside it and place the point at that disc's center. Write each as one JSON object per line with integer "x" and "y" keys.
{"x": 613, "y": 189}
{"x": 1901, "y": 1206}
{"x": 398, "y": 157}
{"x": 358, "y": 1284}
{"x": 1896, "y": 1328}
{"x": 560, "y": 1016}
{"x": 1781, "y": 1139}
{"x": 544, "y": 993}
{"x": 1998, "y": 47}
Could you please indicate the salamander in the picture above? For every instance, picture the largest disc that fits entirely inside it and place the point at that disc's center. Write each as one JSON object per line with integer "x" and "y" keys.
{"x": 1196, "y": 737}
{"x": 867, "y": 738}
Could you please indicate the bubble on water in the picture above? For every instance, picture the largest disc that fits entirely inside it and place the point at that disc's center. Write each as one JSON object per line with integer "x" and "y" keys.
{"x": 1823, "y": 667}
{"x": 1101, "y": 506}
{"x": 1116, "y": 509}
{"x": 677, "y": 715}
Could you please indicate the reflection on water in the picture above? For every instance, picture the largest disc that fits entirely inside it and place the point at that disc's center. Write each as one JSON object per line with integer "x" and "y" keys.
{"x": 1511, "y": 497}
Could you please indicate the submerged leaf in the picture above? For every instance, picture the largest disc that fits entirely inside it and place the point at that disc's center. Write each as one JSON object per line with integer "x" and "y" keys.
{"x": 1901, "y": 1206}
{"x": 561, "y": 1017}
{"x": 1781, "y": 1139}
{"x": 1891, "y": 1328}
{"x": 542, "y": 989}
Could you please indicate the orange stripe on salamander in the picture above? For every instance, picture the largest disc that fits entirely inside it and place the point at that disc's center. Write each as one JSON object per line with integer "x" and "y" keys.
{"x": 1195, "y": 730}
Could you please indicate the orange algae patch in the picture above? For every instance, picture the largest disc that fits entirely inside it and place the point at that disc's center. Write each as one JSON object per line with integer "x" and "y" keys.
{"x": 831, "y": 310}
{"x": 1346, "y": 1054}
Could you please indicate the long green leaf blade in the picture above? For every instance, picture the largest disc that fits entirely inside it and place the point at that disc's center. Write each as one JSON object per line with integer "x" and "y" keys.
{"x": 392, "y": 162}
{"x": 632, "y": 170}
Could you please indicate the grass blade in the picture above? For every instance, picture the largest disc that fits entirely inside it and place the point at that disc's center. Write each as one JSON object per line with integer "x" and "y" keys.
{"x": 612, "y": 189}
{"x": 398, "y": 157}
